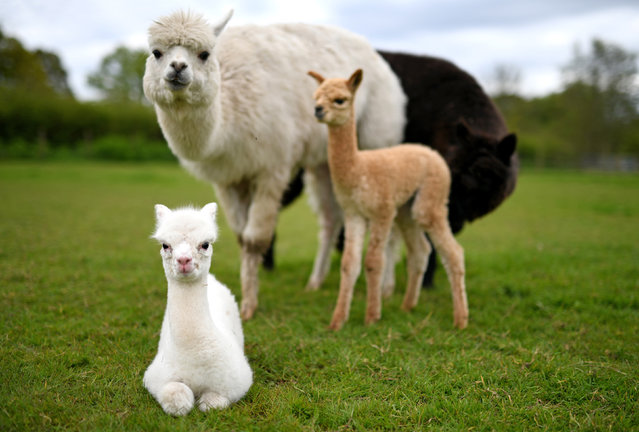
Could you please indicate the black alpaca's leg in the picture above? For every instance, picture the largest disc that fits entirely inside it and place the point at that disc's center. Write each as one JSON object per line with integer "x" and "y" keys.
{"x": 294, "y": 190}
{"x": 429, "y": 275}
{"x": 268, "y": 262}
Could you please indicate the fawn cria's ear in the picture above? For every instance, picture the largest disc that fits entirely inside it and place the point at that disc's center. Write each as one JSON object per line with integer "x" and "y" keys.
{"x": 318, "y": 77}
{"x": 355, "y": 80}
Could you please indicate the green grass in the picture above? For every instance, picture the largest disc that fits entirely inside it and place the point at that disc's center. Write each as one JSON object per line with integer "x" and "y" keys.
{"x": 552, "y": 344}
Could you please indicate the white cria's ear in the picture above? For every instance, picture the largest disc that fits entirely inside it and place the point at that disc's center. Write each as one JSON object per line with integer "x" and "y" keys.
{"x": 210, "y": 209}
{"x": 218, "y": 28}
{"x": 161, "y": 211}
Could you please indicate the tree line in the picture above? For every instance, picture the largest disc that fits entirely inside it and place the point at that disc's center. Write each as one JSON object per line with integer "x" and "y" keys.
{"x": 40, "y": 116}
{"x": 594, "y": 116}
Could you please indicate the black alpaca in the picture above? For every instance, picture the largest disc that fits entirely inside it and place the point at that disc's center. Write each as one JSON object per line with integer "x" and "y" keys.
{"x": 448, "y": 110}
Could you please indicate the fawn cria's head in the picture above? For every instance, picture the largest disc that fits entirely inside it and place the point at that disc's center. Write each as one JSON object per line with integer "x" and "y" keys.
{"x": 335, "y": 97}
{"x": 187, "y": 237}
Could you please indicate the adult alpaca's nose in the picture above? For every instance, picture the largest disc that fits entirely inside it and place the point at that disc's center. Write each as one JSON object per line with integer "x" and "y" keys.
{"x": 178, "y": 66}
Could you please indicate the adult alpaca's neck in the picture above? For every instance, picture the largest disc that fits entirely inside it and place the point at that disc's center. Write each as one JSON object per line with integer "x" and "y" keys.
{"x": 343, "y": 152}
{"x": 188, "y": 312}
{"x": 189, "y": 127}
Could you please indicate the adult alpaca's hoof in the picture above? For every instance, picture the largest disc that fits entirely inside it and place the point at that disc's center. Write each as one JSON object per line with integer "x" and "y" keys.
{"x": 177, "y": 399}
{"x": 312, "y": 286}
{"x": 248, "y": 310}
{"x": 388, "y": 290}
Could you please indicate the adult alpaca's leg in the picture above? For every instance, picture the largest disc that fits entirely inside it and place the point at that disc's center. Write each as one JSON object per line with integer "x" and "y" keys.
{"x": 329, "y": 215}
{"x": 235, "y": 200}
{"x": 350, "y": 269}
{"x": 374, "y": 263}
{"x": 429, "y": 274}
{"x": 256, "y": 238}
{"x": 292, "y": 192}
{"x": 249, "y": 268}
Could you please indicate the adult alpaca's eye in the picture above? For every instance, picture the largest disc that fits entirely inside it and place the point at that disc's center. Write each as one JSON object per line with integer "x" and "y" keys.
{"x": 204, "y": 55}
{"x": 205, "y": 245}
{"x": 157, "y": 54}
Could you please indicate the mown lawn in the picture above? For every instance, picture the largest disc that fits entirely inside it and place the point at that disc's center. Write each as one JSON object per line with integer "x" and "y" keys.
{"x": 552, "y": 344}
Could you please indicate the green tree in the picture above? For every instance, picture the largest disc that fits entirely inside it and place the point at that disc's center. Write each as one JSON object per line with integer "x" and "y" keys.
{"x": 601, "y": 89}
{"x": 57, "y": 77}
{"x": 505, "y": 80}
{"x": 119, "y": 77}
{"x": 39, "y": 71}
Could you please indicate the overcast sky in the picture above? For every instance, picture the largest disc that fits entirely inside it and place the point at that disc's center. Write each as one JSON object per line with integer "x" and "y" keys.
{"x": 535, "y": 36}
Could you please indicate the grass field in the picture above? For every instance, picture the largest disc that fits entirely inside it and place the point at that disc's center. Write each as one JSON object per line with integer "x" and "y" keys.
{"x": 552, "y": 343}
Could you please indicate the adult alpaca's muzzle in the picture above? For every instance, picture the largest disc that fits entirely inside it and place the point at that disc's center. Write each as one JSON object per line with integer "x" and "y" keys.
{"x": 178, "y": 75}
{"x": 177, "y": 81}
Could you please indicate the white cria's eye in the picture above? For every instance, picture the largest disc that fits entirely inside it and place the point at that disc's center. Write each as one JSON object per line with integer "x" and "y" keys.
{"x": 165, "y": 246}
{"x": 205, "y": 245}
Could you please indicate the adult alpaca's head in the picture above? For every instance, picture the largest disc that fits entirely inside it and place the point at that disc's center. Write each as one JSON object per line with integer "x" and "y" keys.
{"x": 182, "y": 66}
{"x": 187, "y": 238}
{"x": 481, "y": 167}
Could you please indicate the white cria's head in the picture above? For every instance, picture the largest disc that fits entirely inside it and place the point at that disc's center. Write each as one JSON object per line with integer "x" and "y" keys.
{"x": 182, "y": 63}
{"x": 187, "y": 236}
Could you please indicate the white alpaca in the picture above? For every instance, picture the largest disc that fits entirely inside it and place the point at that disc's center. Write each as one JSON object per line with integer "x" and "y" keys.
{"x": 233, "y": 110}
{"x": 201, "y": 349}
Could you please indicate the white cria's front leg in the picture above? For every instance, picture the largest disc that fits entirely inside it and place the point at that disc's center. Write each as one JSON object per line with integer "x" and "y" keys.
{"x": 212, "y": 400}
{"x": 176, "y": 398}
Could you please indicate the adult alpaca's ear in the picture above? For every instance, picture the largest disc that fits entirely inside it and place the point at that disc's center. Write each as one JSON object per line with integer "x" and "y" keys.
{"x": 217, "y": 29}
{"x": 506, "y": 148}
{"x": 355, "y": 80}
{"x": 463, "y": 133}
{"x": 319, "y": 78}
